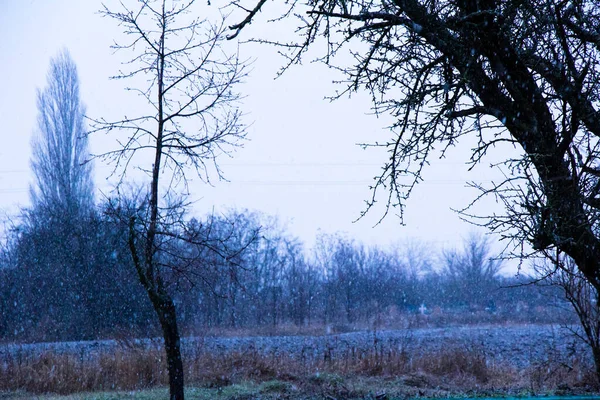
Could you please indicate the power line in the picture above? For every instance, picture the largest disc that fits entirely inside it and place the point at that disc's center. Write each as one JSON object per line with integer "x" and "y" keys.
{"x": 323, "y": 164}
{"x": 343, "y": 183}
{"x": 309, "y": 183}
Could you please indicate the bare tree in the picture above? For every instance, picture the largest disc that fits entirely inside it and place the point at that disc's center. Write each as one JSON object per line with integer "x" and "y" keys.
{"x": 472, "y": 272}
{"x": 342, "y": 261}
{"x": 517, "y": 76}
{"x": 192, "y": 117}
{"x": 63, "y": 185}
{"x": 513, "y": 74}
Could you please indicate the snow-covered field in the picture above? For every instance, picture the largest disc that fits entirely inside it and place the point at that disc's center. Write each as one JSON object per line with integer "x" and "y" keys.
{"x": 520, "y": 346}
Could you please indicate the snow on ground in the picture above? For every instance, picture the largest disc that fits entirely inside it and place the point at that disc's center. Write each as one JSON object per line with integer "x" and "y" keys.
{"x": 520, "y": 346}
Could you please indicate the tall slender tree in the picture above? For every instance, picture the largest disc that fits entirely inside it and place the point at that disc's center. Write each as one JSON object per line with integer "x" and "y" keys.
{"x": 192, "y": 116}
{"x": 54, "y": 238}
{"x": 63, "y": 185}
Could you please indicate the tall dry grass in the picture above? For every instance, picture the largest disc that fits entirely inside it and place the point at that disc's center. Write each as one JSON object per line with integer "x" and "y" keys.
{"x": 455, "y": 369}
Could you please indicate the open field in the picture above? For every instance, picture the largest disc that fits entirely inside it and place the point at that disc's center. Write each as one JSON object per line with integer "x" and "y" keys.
{"x": 518, "y": 345}
{"x": 479, "y": 360}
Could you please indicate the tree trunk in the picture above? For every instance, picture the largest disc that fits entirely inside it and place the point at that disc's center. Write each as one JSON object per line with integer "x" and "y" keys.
{"x": 165, "y": 309}
{"x": 596, "y": 353}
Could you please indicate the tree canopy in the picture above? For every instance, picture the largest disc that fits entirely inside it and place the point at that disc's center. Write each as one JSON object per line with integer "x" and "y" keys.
{"x": 64, "y": 185}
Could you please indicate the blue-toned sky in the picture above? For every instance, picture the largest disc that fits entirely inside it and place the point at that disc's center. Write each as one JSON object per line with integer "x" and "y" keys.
{"x": 301, "y": 161}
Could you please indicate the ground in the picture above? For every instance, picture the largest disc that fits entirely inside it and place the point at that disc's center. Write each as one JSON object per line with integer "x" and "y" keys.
{"x": 475, "y": 361}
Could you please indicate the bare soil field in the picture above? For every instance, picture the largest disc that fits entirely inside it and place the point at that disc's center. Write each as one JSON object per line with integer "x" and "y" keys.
{"x": 519, "y": 346}
{"x": 516, "y": 345}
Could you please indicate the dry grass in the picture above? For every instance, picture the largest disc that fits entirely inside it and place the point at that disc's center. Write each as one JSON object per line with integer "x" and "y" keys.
{"x": 68, "y": 373}
{"x": 455, "y": 370}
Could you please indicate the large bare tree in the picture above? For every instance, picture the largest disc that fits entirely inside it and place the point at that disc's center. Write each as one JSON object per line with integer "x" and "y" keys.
{"x": 63, "y": 185}
{"x": 187, "y": 81}
{"x": 519, "y": 76}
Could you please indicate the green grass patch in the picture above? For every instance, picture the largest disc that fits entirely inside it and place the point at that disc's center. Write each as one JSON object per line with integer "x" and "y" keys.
{"x": 238, "y": 391}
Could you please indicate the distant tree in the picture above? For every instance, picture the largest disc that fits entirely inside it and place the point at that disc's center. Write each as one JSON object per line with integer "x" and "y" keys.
{"x": 300, "y": 283}
{"x": 471, "y": 273}
{"x": 69, "y": 282}
{"x": 273, "y": 258}
{"x": 341, "y": 260}
{"x": 63, "y": 185}
{"x": 192, "y": 116}
{"x": 50, "y": 244}
{"x": 384, "y": 284}
{"x": 416, "y": 264}
{"x": 234, "y": 233}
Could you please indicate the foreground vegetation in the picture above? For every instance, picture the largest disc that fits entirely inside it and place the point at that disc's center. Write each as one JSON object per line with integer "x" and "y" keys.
{"x": 325, "y": 386}
{"x": 377, "y": 373}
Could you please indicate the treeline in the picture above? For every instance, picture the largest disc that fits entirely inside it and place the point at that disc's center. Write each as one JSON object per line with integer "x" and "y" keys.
{"x": 68, "y": 279}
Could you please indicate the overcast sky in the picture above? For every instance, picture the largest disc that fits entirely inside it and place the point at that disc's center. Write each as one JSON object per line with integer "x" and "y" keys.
{"x": 301, "y": 162}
